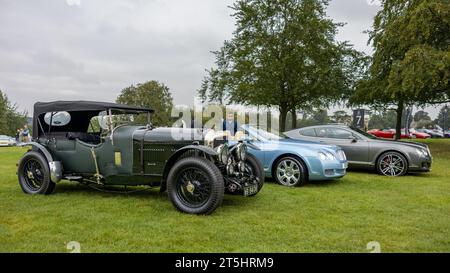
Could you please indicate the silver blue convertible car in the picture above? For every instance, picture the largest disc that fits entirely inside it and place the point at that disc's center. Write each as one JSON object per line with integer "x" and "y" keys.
{"x": 292, "y": 162}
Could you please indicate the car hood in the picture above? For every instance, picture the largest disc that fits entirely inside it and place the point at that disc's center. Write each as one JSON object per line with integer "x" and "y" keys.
{"x": 405, "y": 143}
{"x": 305, "y": 144}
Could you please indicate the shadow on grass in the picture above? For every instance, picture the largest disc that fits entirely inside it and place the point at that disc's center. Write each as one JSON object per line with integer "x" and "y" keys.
{"x": 362, "y": 171}
{"x": 141, "y": 192}
{"x": 116, "y": 191}
{"x": 376, "y": 174}
{"x": 323, "y": 183}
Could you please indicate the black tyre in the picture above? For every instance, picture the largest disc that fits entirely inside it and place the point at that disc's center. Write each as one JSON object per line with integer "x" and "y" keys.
{"x": 195, "y": 185}
{"x": 255, "y": 168}
{"x": 34, "y": 174}
{"x": 392, "y": 164}
{"x": 291, "y": 172}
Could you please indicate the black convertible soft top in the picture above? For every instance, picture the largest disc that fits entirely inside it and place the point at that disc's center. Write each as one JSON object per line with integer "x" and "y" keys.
{"x": 70, "y": 106}
{"x": 80, "y": 120}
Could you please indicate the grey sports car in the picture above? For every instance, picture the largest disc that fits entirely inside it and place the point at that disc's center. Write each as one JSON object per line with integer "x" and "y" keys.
{"x": 363, "y": 150}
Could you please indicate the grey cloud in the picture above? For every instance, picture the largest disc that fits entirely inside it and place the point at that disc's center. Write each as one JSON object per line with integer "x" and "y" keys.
{"x": 50, "y": 50}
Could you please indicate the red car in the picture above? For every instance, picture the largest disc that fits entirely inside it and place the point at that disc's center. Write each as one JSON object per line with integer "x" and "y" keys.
{"x": 416, "y": 134}
{"x": 387, "y": 133}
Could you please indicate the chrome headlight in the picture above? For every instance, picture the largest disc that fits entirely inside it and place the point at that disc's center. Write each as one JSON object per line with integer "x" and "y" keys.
{"x": 341, "y": 155}
{"x": 241, "y": 151}
{"x": 230, "y": 169}
{"x": 222, "y": 150}
{"x": 326, "y": 156}
{"x": 241, "y": 166}
{"x": 422, "y": 152}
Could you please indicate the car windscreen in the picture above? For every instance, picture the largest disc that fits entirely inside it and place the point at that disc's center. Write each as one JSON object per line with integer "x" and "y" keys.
{"x": 308, "y": 132}
{"x": 119, "y": 118}
{"x": 363, "y": 133}
{"x": 261, "y": 134}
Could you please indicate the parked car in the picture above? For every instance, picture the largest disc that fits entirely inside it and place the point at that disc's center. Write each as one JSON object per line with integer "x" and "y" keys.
{"x": 102, "y": 144}
{"x": 447, "y": 134}
{"x": 387, "y": 133}
{"x": 363, "y": 150}
{"x": 291, "y": 162}
{"x": 7, "y": 141}
{"x": 420, "y": 135}
{"x": 432, "y": 133}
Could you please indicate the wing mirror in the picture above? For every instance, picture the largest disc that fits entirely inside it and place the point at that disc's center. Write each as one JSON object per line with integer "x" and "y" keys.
{"x": 353, "y": 138}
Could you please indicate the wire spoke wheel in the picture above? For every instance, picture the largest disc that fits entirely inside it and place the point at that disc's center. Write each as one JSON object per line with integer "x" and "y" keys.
{"x": 193, "y": 187}
{"x": 255, "y": 170}
{"x": 33, "y": 174}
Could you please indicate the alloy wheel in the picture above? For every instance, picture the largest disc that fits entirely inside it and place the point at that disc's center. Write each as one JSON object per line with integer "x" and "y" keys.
{"x": 288, "y": 172}
{"x": 392, "y": 164}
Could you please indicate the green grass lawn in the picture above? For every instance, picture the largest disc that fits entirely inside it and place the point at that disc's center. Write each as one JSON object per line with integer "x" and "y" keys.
{"x": 406, "y": 214}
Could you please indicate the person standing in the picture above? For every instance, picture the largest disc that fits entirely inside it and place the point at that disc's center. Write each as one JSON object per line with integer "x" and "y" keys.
{"x": 17, "y": 135}
{"x": 230, "y": 124}
{"x": 25, "y": 133}
{"x": 20, "y": 135}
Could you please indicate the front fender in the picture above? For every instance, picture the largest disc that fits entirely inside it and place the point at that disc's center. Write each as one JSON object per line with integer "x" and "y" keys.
{"x": 55, "y": 167}
{"x": 391, "y": 149}
{"x": 275, "y": 156}
{"x": 204, "y": 149}
{"x": 174, "y": 157}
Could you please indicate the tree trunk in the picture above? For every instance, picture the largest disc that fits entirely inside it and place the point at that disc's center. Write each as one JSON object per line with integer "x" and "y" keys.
{"x": 294, "y": 118}
{"x": 398, "y": 125}
{"x": 282, "y": 121}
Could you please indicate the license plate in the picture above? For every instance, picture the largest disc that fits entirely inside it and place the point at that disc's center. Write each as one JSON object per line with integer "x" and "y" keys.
{"x": 249, "y": 190}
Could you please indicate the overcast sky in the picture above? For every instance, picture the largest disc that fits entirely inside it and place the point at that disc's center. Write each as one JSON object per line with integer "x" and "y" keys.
{"x": 91, "y": 50}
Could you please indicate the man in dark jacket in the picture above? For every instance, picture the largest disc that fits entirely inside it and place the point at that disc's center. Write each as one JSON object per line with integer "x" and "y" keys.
{"x": 229, "y": 124}
{"x": 17, "y": 135}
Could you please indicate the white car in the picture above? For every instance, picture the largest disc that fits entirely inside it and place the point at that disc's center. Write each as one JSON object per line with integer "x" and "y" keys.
{"x": 7, "y": 141}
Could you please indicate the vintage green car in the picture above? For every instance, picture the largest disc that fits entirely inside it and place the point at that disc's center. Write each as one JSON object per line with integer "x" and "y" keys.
{"x": 101, "y": 144}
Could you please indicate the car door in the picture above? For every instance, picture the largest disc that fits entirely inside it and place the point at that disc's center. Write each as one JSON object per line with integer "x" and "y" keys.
{"x": 355, "y": 148}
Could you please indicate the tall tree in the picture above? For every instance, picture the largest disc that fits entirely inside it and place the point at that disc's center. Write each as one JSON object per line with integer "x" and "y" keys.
{"x": 421, "y": 115}
{"x": 443, "y": 118}
{"x": 283, "y": 54}
{"x": 10, "y": 118}
{"x": 314, "y": 117}
{"x": 411, "y": 61}
{"x": 4, "y": 108}
{"x": 340, "y": 116}
{"x": 382, "y": 119}
{"x": 150, "y": 94}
